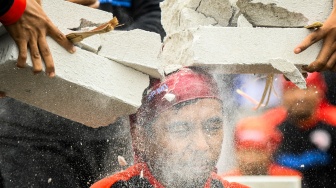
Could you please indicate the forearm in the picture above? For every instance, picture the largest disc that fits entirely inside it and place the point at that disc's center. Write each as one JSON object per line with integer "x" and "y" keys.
{"x": 11, "y": 11}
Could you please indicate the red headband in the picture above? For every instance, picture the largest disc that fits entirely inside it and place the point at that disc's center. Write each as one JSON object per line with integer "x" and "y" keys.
{"x": 183, "y": 85}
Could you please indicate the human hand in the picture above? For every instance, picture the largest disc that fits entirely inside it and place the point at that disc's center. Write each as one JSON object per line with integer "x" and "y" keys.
{"x": 89, "y": 3}
{"x": 31, "y": 30}
{"x": 326, "y": 59}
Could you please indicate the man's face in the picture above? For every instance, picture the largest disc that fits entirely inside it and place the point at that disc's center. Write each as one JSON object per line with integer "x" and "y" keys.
{"x": 185, "y": 143}
{"x": 253, "y": 161}
{"x": 301, "y": 104}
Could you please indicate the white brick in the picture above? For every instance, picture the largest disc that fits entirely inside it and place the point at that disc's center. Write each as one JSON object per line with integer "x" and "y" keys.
{"x": 284, "y": 13}
{"x": 88, "y": 88}
{"x": 178, "y": 15}
{"x": 137, "y": 48}
{"x": 240, "y": 50}
{"x": 66, "y": 15}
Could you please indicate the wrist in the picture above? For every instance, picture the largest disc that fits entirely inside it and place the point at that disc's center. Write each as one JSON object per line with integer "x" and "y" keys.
{"x": 14, "y": 13}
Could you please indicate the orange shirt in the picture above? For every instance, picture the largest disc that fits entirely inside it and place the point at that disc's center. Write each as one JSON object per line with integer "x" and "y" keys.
{"x": 141, "y": 170}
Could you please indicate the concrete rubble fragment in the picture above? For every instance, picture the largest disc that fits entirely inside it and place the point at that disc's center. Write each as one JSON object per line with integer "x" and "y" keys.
{"x": 136, "y": 48}
{"x": 178, "y": 15}
{"x": 233, "y": 50}
{"x": 285, "y": 13}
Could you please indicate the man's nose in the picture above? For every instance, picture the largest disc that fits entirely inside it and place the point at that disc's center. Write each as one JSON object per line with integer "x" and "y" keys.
{"x": 200, "y": 140}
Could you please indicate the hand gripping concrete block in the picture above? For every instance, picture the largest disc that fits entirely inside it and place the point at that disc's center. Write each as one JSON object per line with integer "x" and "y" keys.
{"x": 241, "y": 50}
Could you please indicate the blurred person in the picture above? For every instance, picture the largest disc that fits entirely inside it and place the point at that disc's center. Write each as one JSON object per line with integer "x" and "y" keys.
{"x": 178, "y": 135}
{"x": 255, "y": 143}
{"x": 307, "y": 122}
{"x": 28, "y": 25}
{"x": 136, "y": 14}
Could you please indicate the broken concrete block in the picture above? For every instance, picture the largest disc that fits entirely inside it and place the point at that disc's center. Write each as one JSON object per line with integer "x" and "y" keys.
{"x": 66, "y": 15}
{"x": 178, "y": 15}
{"x": 88, "y": 88}
{"x": 91, "y": 44}
{"x": 239, "y": 50}
{"x": 287, "y": 13}
{"x": 137, "y": 48}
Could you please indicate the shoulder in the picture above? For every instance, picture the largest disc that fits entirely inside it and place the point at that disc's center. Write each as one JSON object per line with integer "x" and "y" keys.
{"x": 121, "y": 176}
{"x": 278, "y": 170}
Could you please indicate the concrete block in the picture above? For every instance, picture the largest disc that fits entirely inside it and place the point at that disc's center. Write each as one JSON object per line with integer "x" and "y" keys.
{"x": 240, "y": 50}
{"x": 178, "y": 15}
{"x": 66, "y": 15}
{"x": 285, "y": 13}
{"x": 88, "y": 88}
{"x": 137, "y": 48}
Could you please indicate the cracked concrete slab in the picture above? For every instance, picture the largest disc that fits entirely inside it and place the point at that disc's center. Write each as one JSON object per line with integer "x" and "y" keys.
{"x": 137, "y": 48}
{"x": 88, "y": 88}
{"x": 178, "y": 15}
{"x": 233, "y": 50}
{"x": 274, "y": 13}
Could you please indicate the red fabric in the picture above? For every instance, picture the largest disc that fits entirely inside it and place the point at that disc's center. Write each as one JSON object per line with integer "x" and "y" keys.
{"x": 314, "y": 79}
{"x": 274, "y": 170}
{"x": 135, "y": 170}
{"x": 183, "y": 85}
{"x": 325, "y": 112}
{"x": 14, "y": 13}
{"x": 257, "y": 132}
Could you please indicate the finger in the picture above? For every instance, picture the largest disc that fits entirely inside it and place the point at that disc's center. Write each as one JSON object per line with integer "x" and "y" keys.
{"x": 46, "y": 55}
{"x": 60, "y": 38}
{"x": 309, "y": 40}
{"x": 35, "y": 56}
{"x": 322, "y": 58}
{"x": 22, "y": 58}
{"x": 331, "y": 62}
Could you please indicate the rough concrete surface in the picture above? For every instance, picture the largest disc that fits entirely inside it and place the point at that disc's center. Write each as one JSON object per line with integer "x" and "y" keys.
{"x": 137, "y": 48}
{"x": 178, "y": 15}
{"x": 88, "y": 88}
{"x": 239, "y": 50}
{"x": 274, "y": 13}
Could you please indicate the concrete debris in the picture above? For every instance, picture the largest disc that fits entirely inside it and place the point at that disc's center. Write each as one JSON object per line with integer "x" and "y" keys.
{"x": 137, "y": 48}
{"x": 88, "y": 88}
{"x": 233, "y": 50}
{"x": 274, "y": 13}
{"x": 178, "y": 15}
{"x": 270, "y": 15}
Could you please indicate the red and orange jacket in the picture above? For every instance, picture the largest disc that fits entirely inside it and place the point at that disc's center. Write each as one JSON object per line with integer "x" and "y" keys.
{"x": 11, "y": 11}
{"x": 139, "y": 176}
{"x": 273, "y": 170}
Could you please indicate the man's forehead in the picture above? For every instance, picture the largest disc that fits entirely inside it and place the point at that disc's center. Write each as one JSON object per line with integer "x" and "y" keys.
{"x": 196, "y": 108}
